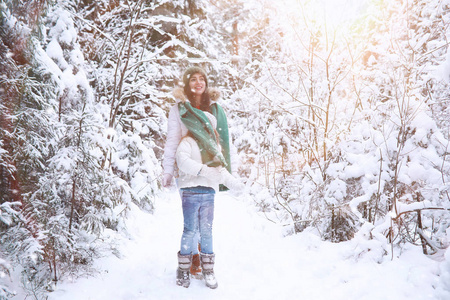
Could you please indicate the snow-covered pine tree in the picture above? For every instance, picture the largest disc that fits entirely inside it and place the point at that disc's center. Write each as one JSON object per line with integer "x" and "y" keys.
{"x": 16, "y": 26}
{"x": 68, "y": 196}
{"x": 5, "y": 270}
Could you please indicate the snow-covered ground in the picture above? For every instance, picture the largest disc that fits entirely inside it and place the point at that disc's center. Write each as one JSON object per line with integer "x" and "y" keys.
{"x": 254, "y": 261}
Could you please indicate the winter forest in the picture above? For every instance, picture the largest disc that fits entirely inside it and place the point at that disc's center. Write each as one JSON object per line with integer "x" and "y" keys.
{"x": 339, "y": 111}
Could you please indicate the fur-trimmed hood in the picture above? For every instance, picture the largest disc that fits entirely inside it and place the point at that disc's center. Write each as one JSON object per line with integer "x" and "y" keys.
{"x": 180, "y": 96}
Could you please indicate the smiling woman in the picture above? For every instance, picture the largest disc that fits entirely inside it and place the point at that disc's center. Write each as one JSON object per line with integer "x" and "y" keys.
{"x": 197, "y": 85}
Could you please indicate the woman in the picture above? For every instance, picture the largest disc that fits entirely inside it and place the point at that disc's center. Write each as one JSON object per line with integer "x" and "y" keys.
{"x": 198, "y": 184}
{"x": 197, "y": 113}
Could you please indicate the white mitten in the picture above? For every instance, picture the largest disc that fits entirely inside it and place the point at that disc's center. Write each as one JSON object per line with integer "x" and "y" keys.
{"x": 211, "y": 173}
{"x": 167, "y": 180}
{"x": 231, "y": 182}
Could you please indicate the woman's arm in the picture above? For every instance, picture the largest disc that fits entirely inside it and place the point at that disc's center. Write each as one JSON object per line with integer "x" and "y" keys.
{"x": 185, "y": 161}
{"x": 173, "y": 139}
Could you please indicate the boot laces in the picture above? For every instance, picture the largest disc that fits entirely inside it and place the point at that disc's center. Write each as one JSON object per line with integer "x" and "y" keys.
{"x": 185, "y": 275}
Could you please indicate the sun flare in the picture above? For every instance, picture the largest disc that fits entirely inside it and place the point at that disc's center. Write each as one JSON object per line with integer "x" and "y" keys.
{"x": 334, "y": 15}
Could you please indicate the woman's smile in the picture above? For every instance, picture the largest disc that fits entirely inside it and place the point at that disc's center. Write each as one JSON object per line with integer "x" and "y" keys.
{"x": 197, "y": 84}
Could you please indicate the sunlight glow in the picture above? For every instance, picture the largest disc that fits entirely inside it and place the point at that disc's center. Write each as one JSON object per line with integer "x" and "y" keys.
{"x": 338, "y": 12}
{"x": 330, "y": 14}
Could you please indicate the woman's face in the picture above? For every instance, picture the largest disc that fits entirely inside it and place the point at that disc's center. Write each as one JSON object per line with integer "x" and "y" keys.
{"x": 197, "y": 84}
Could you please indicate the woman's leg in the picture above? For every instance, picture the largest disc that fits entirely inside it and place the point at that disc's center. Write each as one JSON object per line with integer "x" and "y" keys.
{"x": 190, "y": 204}
{"x": 207, "y": 257}
{"x": 206, "y": 217}
{"x": 196, "y": 239}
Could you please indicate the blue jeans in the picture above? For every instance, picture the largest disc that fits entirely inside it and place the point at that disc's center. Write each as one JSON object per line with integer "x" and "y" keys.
{"x": 198, "y": 213}
{"x": 196, "y": 239}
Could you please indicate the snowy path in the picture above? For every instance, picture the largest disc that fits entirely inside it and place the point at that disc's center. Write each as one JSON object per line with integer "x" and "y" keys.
{"x": 253, "y": 261}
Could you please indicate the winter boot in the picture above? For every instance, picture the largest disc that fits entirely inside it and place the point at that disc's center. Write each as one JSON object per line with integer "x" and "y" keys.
{"x": 208, "y": 270}
{"x": 184, "y": 264}
{"x": 196, "y": 269}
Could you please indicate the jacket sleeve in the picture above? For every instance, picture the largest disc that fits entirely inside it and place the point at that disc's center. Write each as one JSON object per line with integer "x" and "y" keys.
{"x": 184, "y": 159}
{"x": 230, "y": 181}
{"x": 173, "y": 139}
